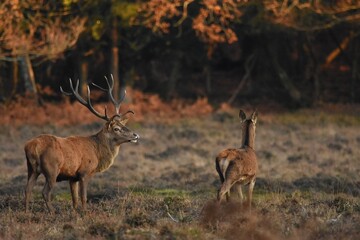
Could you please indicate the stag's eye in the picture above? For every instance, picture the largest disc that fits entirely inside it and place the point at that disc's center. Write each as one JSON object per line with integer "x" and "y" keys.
{"x": 117, "y": 129}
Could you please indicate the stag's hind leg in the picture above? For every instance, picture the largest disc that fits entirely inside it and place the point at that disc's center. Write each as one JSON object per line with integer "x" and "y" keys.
{"x": 49, "y": 186}
{"x": 32, "y": 177}
{"x": 50, "y": 176}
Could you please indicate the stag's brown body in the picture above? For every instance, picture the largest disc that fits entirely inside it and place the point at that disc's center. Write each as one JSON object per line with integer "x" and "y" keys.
{"x": 75, "y": 159}
{"x": 237, "y": 167}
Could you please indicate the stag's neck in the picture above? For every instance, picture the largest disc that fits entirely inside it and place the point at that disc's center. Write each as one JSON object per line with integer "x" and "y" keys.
{"x": 107, "y": 150}
{"x": 248, "y": 138}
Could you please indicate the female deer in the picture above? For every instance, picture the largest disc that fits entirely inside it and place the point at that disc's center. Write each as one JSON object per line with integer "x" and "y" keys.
{"x": 237, "y": 167}
{"x": 76, "y": 158}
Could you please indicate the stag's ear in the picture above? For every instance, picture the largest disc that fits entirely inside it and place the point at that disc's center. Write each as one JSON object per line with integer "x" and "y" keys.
{"x": 242, "y": 116}
{"x": 108, "y": 125}
{"x": 124, "y": 121}
{"x": 254, "y": 116}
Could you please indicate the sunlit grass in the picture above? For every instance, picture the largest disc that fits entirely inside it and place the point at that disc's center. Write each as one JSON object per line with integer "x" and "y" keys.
{"x": 317, "y": 118}
{"x": 307, "y": 184}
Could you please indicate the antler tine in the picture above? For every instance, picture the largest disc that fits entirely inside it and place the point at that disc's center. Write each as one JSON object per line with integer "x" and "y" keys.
{"x": 75, "y": 93}
{"x": 111, "y": 87}
{"x": 128, "y": 111}
{"x": 64, "y": 92}
{"x": 109, "y": 90}
{"x": 92, "y": 109}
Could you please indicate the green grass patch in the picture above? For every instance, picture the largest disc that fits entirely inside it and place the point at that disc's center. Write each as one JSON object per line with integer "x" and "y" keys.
{"x": 63, "y": 196}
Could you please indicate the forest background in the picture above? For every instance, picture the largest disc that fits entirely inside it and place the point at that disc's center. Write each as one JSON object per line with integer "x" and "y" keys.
{"x": 286, "y": 53}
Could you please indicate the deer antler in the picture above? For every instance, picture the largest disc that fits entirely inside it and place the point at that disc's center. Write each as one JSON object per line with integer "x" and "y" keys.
{"x": 109, "y": 90}
{"x": 75, "y": 92}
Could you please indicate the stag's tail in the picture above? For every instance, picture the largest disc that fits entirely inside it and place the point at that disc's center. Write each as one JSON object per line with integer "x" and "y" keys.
{"x": 31, "y": 158}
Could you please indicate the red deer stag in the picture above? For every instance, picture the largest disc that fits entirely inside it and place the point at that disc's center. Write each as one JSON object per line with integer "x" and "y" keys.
{"x": 77, "y": 158}
{"x": 237, "y": 167}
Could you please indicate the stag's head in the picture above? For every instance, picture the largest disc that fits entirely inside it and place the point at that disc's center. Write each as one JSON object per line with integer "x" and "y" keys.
{"x": 114, "y": 128}
{"x": 117, "y": 131}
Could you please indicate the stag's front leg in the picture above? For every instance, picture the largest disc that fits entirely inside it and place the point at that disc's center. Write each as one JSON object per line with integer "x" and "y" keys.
{"x": 83, "y": 191}
{"x": 74, "y": 187}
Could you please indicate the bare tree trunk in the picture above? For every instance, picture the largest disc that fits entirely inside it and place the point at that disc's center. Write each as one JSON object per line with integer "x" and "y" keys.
{"x": 15, "y": 77}
{"x": 29, "y": 77}
{"x": 249, "y": 65}
{"x": 312, "y": 70}
{"x": 174, "y": 76}
{"x": 287, "y": 83}
{"x": 84, "y": 69}
{"x": 115, "y": 58}
{"x": 340, "y": 47}
{"x": 355, "y": 69}
{"x": 28, "y": 74}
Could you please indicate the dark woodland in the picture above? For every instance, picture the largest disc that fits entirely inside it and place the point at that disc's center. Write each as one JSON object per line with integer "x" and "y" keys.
{"x": 294, "y": 53}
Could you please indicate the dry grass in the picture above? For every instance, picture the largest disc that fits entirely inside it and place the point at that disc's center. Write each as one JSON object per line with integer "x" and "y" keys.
{"x": 164, "y": 187}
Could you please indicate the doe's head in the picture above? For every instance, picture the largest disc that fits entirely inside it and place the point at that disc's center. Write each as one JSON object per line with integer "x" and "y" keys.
{"x": 249, "y": 123}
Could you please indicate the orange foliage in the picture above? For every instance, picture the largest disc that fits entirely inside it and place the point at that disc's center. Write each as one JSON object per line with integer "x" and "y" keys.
{"x": 36, "y": 28}
{"x": 212, "y": 24}
{"x": 215, "y": 20}
{"x": 156, "y": 12}
{"x": 148, "y": 107}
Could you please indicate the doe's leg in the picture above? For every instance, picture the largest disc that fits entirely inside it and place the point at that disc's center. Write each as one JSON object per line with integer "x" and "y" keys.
{"x": 222, "y": 179}
{"x": 238, "y": 188}
{"x": 250, "y": 192}
{"x": 224, "y": 191}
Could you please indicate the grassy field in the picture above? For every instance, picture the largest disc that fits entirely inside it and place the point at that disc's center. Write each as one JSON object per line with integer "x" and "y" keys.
{"x": 164, "y": 187}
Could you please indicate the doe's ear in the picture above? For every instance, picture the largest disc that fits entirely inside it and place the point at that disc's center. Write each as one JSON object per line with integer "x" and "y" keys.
{"x": 124, "y": 121}
{"x": 254, "y": 116}
{"x": 242, "y": 115}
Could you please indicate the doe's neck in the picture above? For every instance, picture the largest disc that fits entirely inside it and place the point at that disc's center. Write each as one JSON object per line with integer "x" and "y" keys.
{"x": 248, "y": 137}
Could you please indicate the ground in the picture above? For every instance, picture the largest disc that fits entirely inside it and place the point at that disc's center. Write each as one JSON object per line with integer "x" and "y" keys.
{"x": 164, "y": 187}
